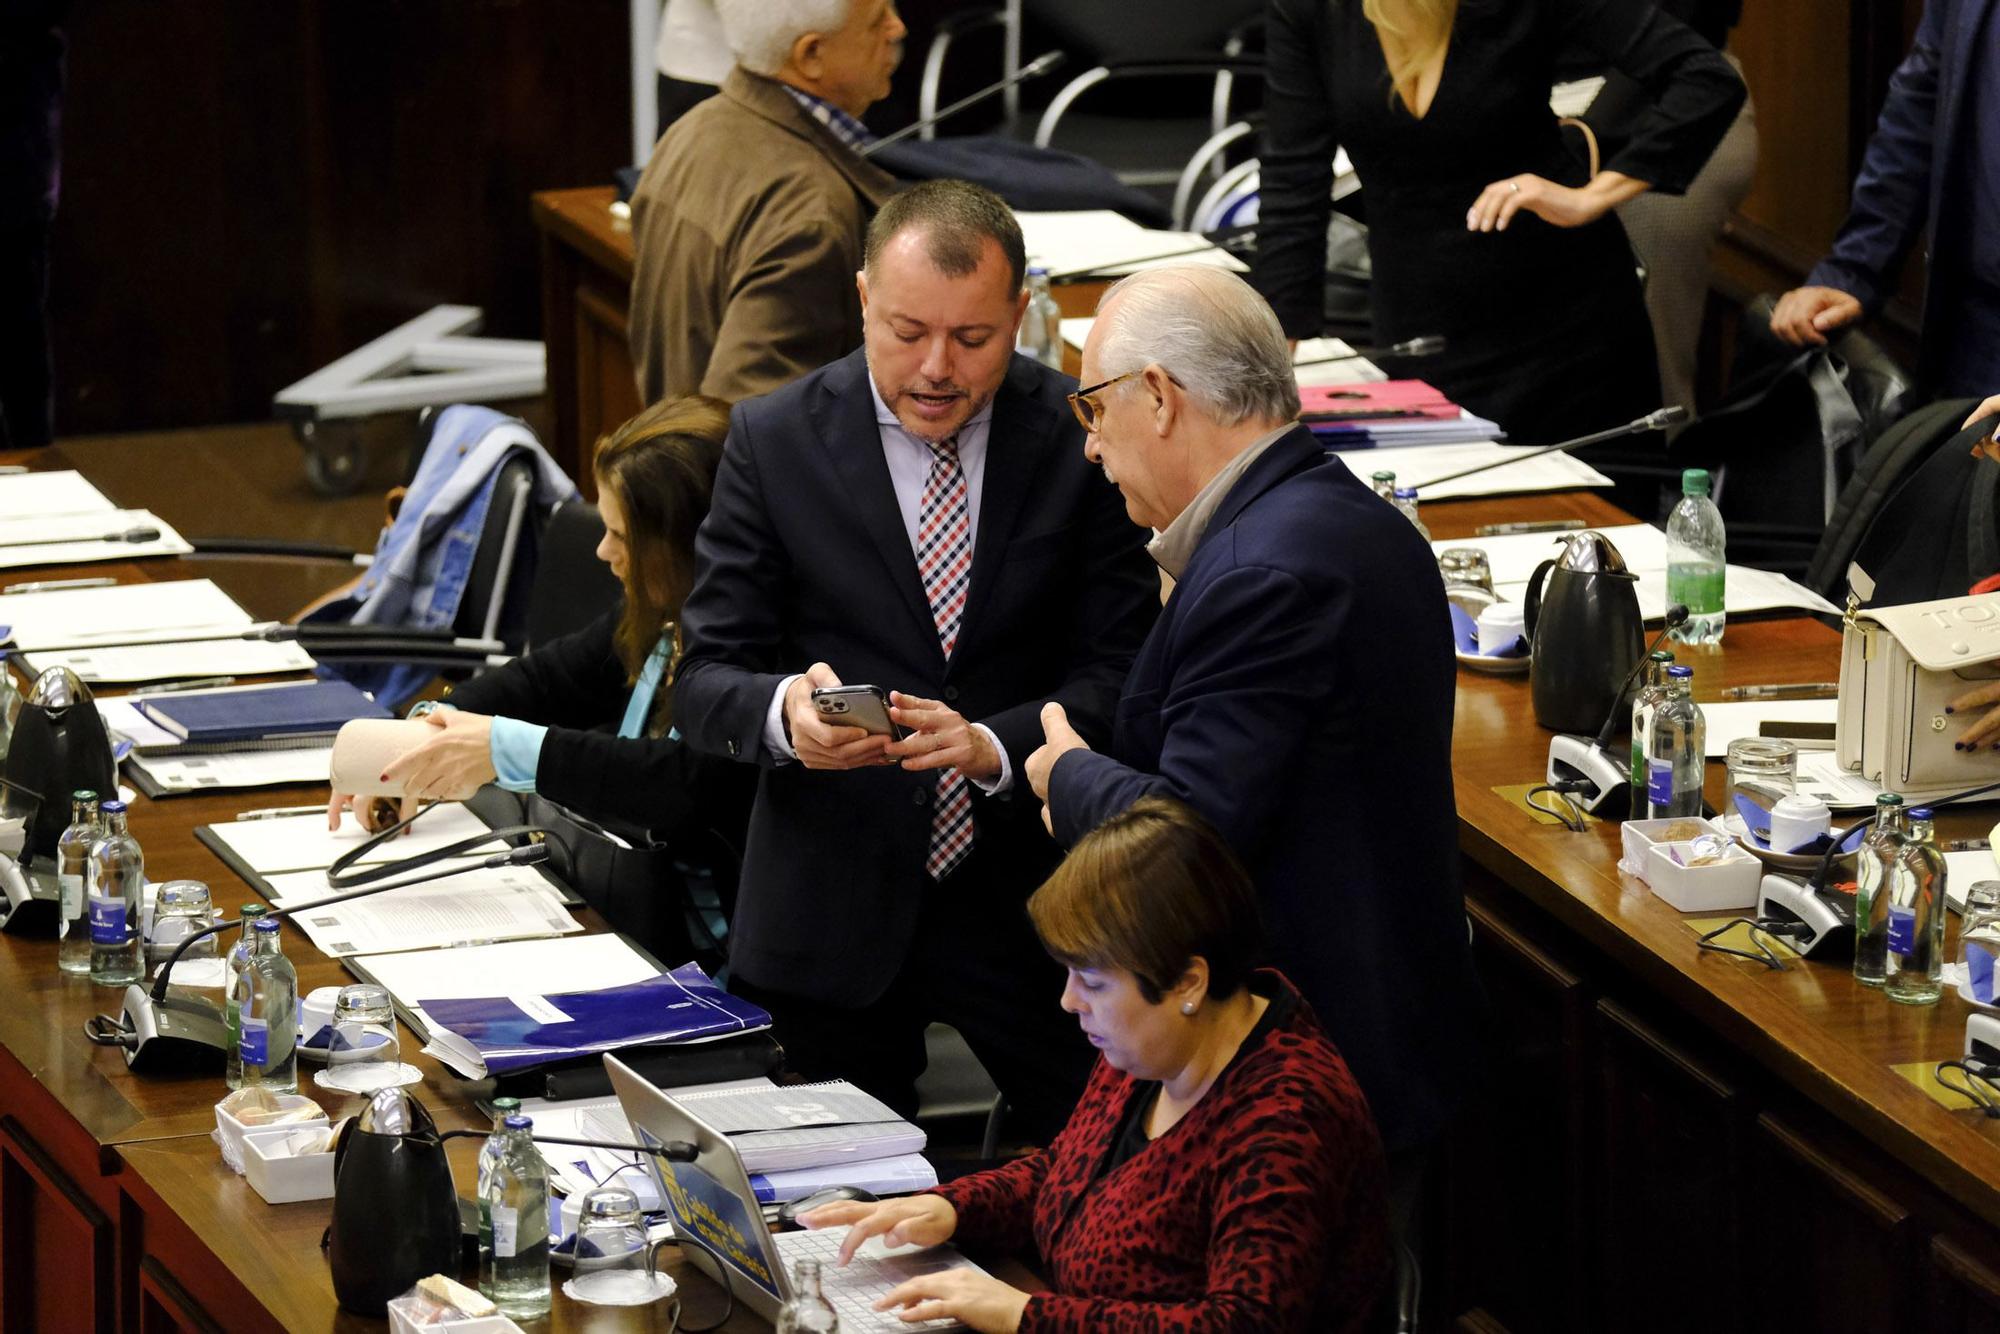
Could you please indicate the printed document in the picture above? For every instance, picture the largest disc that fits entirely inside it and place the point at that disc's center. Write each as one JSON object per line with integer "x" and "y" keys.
{"x": 1413, "y": 463}
{"x": 482, "y": 905}
{"x": 1098, "y": 241}
{"x": 68, "y": 539}
{"x": 31, "y": 495}
{"x": 304, "y": 843}
{"x": 518, "y": 967}
{"x": 178, "y": 609}
{"x": 227, "y": 771}
{"x": 136, "y": 663}
{"x": 1728, "y": 720}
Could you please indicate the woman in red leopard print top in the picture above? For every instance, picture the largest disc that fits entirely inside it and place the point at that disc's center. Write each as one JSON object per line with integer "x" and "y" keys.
{"x": 1222, "y": 1171}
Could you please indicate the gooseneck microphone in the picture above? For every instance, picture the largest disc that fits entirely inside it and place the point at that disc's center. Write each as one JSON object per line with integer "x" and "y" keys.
{"x": 159, "y": 1032}
{"x": 1034, "y": 69}
{"x": 1410, "y": 349}
{"x": 1657, "y": 420}
{"x": 131, "y": 535}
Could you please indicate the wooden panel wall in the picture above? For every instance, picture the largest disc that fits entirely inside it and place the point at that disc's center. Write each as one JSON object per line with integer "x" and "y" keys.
{"x": 251, "y": 188}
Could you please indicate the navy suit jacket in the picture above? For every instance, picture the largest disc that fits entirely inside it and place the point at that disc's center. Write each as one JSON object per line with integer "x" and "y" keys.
{"x": 1907, "y": 178}
{"x": 1298, "y": 691}
{"x": 804, "y": 558}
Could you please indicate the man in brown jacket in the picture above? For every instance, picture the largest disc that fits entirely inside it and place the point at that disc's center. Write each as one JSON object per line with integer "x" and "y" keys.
{"x": 748, "y": 221}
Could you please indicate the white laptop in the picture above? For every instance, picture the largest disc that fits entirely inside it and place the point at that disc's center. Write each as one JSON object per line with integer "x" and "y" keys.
{"x": 710, "y": 1199}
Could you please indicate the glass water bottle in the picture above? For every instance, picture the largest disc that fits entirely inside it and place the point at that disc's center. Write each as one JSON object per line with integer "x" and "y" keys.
{"x": 268, "y": 1017}
{"x": 72, "y": 868}
{"x": 234, "y": 981}
{"x": 1874, "y": 870}
{"x": 808, "y": 1311}
{"x": 514, "y": 1221}
{"x": 114, "y": 878}
{"x": 1916, "y": 918}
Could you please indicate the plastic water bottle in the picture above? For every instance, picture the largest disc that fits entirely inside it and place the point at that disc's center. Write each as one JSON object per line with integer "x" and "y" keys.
{"x": 1674, "y": 759}
{"x": 808, "y": 1312}
{"x": 114, "y": 877}
{"x": 1652, "y": 692}
{"x": 1916, "y": 918}
{"x": 268, "y": 1017}
{"x": 1695, "y": 561}
{"x": 1874, "y": 871}
{"x": 1041, "y": 326}
{"x": 514, "y": 1221}
{"x": 1406, "y": 501}
{"x": 72, "y": 867}
{"x": 235, "y": 987}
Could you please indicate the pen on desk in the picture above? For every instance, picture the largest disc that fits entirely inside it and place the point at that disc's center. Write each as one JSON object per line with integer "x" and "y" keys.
{"x": 51, "y": 585}
{"x": 1533, "y": 526}
{"x": 1793, "y": 690}
{"x": 278, "y": 812}
{"x": 1968, "y": 845}
{"x": 193, "y": 683}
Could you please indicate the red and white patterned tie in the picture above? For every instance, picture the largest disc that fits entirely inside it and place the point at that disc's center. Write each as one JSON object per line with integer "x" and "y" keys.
{"x": 944, "y": 562}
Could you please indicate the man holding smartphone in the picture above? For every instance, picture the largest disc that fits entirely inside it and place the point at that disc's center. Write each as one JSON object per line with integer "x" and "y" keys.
{"x": 917, "y": 517}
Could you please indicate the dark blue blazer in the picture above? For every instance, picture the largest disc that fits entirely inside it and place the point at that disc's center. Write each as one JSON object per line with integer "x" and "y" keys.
{"x": 1911, "y": 176}
{"x": 804, "y": 558}
{"x": 1298, "y": 691}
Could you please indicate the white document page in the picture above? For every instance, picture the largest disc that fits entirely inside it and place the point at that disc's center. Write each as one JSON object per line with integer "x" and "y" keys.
{"x": 1413, "y": 463}
{"x": 1729, "y": 720}
{"x": 1099, "y": 241}
{"x": 179, "y": 609}
{"x": 1820, "y": 775}
{"x": 64, "y": 539}
{"x": 136, "y": 663}
{"x": 304, "y": 843}
{"x": 481, "y": 906}
{"x": 32, "y": 495}
{"x": 228, "y": 770}
{"x": 512, "y": 968}
{"x": 1346, "y": 367}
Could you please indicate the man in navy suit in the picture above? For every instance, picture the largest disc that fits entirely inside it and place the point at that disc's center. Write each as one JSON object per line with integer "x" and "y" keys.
{"x": 1297, "y": 689}
{"x": 919, "y": 517}
{"x": 1933, "y": 162}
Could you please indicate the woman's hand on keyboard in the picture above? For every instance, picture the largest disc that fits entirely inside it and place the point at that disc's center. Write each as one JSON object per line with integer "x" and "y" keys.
{"x": 914, "y": 1220}
{"x": 972, "y": 1297}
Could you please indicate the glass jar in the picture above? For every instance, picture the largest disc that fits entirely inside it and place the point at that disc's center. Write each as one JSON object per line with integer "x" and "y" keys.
{"x": 364, "y": 1053}
{"x": 1762, "y": 772}
{"x": 181, "y": 908}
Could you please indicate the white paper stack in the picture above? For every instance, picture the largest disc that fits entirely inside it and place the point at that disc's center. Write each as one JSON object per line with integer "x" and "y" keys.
{"x": 142, "y": 632}
{"x": 1412, "y": 464}
{"x": 304, "y": 843}
{"x": 34, "y": 495}
{"x": 1100, "y": 243}
{"x": 479, "y": 906}
{"x": 66, "y": 539}
{"x": 1319, "y": 360}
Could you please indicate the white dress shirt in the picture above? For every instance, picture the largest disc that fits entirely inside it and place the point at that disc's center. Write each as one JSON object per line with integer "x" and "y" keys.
{"x": 909, "y": 460}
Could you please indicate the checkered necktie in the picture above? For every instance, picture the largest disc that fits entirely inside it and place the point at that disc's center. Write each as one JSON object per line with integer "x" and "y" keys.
{"x": 944, "y": 561}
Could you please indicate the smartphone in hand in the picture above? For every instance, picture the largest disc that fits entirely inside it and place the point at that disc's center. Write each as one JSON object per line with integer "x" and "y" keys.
{"x": 865, "y": 707}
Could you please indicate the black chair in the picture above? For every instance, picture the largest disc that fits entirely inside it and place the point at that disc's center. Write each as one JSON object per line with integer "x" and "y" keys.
{"x": 571, "y": 587}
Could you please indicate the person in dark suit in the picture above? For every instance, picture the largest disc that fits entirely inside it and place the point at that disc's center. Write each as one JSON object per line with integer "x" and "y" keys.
{"x": 1297, "y": 689}
{"x": 1932, "y": 164}
{"x": 918, "y": 517}
{"x": 587, "y": 720}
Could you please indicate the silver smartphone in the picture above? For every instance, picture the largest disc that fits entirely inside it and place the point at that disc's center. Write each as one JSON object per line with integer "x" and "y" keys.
{"x": 865, "y": 707}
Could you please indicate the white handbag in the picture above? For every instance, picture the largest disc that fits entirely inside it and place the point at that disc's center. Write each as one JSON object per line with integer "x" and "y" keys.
{"x": 1899, "y": 668}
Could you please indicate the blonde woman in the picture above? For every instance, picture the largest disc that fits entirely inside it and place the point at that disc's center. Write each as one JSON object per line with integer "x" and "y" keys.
{"x": 1486, "y": 221}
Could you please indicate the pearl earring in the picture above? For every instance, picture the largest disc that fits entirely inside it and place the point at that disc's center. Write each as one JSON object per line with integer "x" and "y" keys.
{"x": 1187, "y": 1007}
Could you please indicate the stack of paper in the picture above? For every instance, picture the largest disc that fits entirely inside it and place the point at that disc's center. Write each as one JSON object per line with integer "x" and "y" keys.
{"x": 142, "y": 632}
{"x": 478, "y": 906}
{"x": 1318, "y": 360}
{"x": 1100, "y": 243}
{"x": 304, "y": 843}
{"x": 33, "y": 495}
{"x": 1415, "y": 465}
{"x": 1389, "y": 412}
{"x": 1513, "y": 559}
{"x": 800, "y": 1138}
{"x": 165, "y": 765}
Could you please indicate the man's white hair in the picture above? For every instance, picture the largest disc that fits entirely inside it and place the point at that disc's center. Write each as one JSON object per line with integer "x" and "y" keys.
{"x": 1208, "y": 329}
{"x": 762, "y": 33}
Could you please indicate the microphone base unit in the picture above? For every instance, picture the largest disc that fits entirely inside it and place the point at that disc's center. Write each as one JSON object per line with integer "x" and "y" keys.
{"x": 30, "y": 902}
{"x": 1824, "y": 922}
{"x": 180, "y": 1034}
{"x": 1982, "y": 1038}
{"x": 1606, "y": 778}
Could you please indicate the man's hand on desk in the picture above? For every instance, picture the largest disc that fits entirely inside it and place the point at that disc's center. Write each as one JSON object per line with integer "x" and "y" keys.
{"x": 818, "y": 743}
{"x": 940, "y": 738}
{"x": 453, "y": 764}
{"x": 1059, "y": 739}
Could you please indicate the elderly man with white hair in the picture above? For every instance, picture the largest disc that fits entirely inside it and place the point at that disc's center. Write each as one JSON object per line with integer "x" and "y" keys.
{"x": 1297, "y": 689}
{"x": 747, "y": 223}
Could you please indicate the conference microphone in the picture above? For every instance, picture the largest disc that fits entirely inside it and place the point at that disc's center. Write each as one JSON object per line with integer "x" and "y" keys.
{"x": 1586, "y": 769}
{"x": 132, "y": 535}
{"x": 1034, "y": 69}
{"x": 1656, "y": 420}
{"x": 1425, "y": 345}
{"x": 162, "y": 1032}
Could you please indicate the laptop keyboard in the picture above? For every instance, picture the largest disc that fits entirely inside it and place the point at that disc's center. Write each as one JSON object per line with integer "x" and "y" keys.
{"x": 855, "y": 1288}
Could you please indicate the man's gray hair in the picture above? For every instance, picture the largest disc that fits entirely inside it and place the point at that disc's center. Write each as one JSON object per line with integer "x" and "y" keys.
{"x": 762, "y": 33}
{"x": 1208, "y": 329}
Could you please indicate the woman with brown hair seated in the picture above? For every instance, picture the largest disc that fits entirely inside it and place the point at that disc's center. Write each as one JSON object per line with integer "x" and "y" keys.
{"x": 1222, "y": 1171}
{"x": 586, "y": 720}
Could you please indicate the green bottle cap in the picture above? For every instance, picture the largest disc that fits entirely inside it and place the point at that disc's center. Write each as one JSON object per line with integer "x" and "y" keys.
{"x": 1888, "y": 799}
{"x": 83, "y": 794}
{"x": 1694, "y": 482}
{"x": 252, "y": 911}
{"x": 1663, "y": 655}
